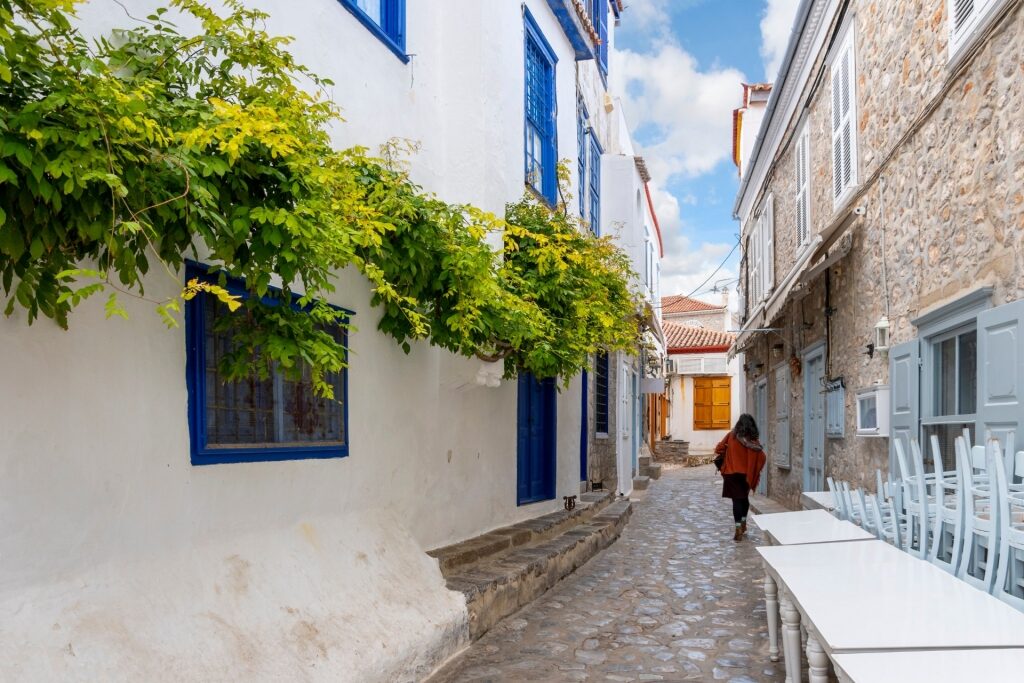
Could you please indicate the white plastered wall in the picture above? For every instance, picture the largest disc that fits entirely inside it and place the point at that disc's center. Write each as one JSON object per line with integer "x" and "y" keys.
{"x": 121, "y": 560}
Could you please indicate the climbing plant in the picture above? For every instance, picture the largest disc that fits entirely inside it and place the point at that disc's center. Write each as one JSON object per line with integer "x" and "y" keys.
{"x": 122, "y": 157}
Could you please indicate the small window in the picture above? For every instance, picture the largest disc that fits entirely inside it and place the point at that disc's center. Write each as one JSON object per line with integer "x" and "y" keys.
{"x": 601, "y": 393}
{"x": 873, "y": 411}
{"x": 967, "y": 21}
{"x": 595, "y": 184}
{"x": 252, "y": 420}
{"x": 385, "y": 19}
{"x": 835, "y": 410}
{"x": 582, "y": 151}
{"x": 540, "y": 112}
{"x": 844, "y": 120}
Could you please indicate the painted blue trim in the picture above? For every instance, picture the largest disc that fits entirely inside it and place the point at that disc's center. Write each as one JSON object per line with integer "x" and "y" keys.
{"x": 536, "y": 448}
{"x": 548, "y": 161}
{"x": 392, "y": 34}
{"x": 599, "y": 17}
{"x": 573, "y": 30}
{"x": 594, "y": 182}
{"x": 584, "y": 427}
{"x": 195, "y": 381}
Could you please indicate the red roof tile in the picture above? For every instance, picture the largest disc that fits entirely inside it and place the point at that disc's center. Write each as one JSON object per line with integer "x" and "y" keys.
{"x": 686, "y": 339}
{"x": 684, "y": 304}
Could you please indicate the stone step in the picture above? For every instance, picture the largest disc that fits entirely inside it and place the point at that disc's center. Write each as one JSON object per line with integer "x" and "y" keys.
{"x": 652, "y": 471}
{"x": 459, "y": 556}
{"x": 501, "y": 586}
{"x": 643, "y": 461}
{"x": 641, "y": 483}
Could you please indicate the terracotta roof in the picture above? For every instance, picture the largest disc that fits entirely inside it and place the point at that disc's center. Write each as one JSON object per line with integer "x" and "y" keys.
{"x": 684, "y": 304}
{"x": 685, "y": 339}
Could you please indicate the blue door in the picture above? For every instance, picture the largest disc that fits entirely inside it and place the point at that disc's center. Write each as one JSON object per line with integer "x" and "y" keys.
{"x": 584, "y": 431}
{"x": 536, "y": 434}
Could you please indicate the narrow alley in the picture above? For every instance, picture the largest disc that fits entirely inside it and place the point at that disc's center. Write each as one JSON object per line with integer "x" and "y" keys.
{"x": 673, "y": 599}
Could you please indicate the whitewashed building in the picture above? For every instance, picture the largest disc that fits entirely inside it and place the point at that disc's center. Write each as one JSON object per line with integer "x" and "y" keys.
{"x": 128, "y": 542}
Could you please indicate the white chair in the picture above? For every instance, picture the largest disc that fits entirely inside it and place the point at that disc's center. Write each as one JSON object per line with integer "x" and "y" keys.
{"x": 867, "y": 520}
{"x": 888, "y": 502}
{"x": 855, "y": 510}
{"x": 1009, "y": 580}
{"x": 840, "y": 510}
{"x": 915, "y": 500}
{"x": 947, "y": 535}
{"x": 981, "y": 517}
{"x": 885, "y": 530}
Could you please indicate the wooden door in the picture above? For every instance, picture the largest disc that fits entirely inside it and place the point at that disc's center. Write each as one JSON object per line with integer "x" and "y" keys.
{"x": 535, "y": 473}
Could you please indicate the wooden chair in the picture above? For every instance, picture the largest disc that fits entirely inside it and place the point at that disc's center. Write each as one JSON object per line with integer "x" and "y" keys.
{"x": 887, "y": 530}
{"x": 840, "y": 510}
{"x": 856, "y": 511}
{"x": 915, "y": 500}
{"x": 947, "y": 535}
{"x": 981, "y": 516}
{"x": 1009, "y": 580}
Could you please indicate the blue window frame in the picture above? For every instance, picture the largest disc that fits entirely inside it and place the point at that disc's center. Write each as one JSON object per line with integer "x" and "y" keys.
{"x": 595, "y": 184}
{"x": 601, "y": 377}
{"x": 253, "y": 420}
{"x": 385, "y": 19}
{"x": 599, "y": 17}
{"x": 540, "y": 142}
{"x": 582, "y": 149}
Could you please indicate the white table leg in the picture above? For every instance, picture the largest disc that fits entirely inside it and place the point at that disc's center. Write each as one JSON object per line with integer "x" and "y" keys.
{"x": 817, "y": 661}
{"x": 771, "y": 603}
{"x": 791, "y": 640}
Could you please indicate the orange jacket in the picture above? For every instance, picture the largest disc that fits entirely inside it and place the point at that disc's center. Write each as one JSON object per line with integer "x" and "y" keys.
{"x": 741, "y": 458}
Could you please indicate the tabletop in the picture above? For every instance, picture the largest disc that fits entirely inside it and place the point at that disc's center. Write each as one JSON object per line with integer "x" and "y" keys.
{"x": 808, "y": 526}
{"x": 872, "y": 596}
{"x": 822, "y": 498}
{"x": 933, "y": 666}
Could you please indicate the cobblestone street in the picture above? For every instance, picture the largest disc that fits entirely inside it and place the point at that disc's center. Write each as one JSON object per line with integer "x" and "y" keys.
{"x": 673, "y": 599}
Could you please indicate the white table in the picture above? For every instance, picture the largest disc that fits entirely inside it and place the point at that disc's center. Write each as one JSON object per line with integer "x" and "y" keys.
{"x": 822, "y": 499}
{"x": 808, "y": 526}
{"x": 937, "y": 666}
{"x": 869, "y": 596}
{"x": 793, "y": 528}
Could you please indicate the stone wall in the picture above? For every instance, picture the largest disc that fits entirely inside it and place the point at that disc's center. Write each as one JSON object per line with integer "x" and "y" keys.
{"x": 947, "y": 203}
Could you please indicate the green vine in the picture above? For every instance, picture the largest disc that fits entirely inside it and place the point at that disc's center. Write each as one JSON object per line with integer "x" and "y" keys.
{"x": 134, "y": 152}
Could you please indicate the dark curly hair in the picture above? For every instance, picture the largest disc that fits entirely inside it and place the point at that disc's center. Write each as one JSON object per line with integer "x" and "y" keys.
{"x": 746, "y": 428}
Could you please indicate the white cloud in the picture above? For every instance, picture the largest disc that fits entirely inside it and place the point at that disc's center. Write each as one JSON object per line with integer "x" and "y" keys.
{"x": 667, "y": 90}
{"x": 776, "y": 26}
{"x": 685, "y": 265}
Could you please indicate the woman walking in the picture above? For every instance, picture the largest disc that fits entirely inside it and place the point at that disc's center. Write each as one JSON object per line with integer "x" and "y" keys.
{"x": 740, "y": 460}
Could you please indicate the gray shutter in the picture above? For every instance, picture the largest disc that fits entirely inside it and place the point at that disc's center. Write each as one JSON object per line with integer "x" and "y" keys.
{"x": 905, "y": 383}
{"x": 781, "y": 445}
{"x": 1001, "y": 371}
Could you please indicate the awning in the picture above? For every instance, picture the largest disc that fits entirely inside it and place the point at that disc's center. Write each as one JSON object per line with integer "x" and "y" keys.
{"x": 833, "y": 256}
{"x": 747, "y": 333}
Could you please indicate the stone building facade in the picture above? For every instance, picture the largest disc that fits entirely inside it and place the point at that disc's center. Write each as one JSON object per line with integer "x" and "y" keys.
{"x": 921, "y": 236}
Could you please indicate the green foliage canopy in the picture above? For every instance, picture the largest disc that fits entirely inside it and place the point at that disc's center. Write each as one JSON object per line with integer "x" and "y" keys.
{"x": 136, "y": 151}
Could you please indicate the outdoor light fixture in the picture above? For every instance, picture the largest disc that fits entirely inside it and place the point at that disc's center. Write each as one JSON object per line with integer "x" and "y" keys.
{"x": 882, "y": 335}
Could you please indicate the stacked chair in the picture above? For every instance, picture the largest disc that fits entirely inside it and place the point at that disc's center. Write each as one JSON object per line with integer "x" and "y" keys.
{"x": 968, "y": 521}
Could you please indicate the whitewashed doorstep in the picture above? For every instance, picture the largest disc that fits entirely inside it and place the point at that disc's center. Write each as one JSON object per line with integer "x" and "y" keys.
{"x": 808, "y": 526}
{"x": 870, "y": 596}
{"x": 933, "y": 666}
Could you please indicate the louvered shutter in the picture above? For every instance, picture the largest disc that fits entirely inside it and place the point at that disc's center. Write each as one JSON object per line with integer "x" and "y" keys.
{"x": 964, "y": 19}
{"x": 803, "y": 198}
{"x": 781, "y": 445}
{"x": 905, "y": 398}
{"x": 754, "y": 264}
{"x": 844, "y": 138}
{"x": 768, "y": 237}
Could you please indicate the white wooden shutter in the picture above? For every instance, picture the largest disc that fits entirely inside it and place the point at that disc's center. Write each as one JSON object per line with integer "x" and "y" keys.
{"x": 768, "y": 238}
{"x": 754, "y": 263}
{"x": 965, "y": 17}
{"x": 1001, "y": 372}
{"x": 803, "y": 195}
{"x": 781, "y": 446}
{"x": 905, "y": 397}
{"x": 844, "y": 120}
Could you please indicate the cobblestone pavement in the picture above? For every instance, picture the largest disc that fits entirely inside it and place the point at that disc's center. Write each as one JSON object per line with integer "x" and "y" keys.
{"x": 674, "y": 599}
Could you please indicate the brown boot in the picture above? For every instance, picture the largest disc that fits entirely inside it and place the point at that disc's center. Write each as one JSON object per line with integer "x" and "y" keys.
{"x": 743, "y": 527}
{"x": 738, "y": 535}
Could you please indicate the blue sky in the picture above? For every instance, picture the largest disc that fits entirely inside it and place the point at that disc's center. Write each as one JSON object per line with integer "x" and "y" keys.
{"x": 679, "y": 65}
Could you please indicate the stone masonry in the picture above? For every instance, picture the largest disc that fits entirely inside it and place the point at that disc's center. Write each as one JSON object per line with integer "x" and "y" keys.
{"x": 941, "y": 171}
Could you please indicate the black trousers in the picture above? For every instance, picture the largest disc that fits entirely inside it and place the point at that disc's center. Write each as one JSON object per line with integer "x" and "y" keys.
{"x": 740, "y": 508}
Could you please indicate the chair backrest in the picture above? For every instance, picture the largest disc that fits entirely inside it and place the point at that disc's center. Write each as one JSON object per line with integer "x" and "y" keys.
{"x": 982, "y": 522}
{"x": 1009, "y": 580}
{"x": 946, "y": 545}
{"x": 867, "y": 520}
{"x": 837, "y": 498}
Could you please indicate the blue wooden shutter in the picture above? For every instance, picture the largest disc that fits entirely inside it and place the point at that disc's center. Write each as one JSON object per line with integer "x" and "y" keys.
{"x": 905, "y": 407}
{"x": 1001, "y": 371}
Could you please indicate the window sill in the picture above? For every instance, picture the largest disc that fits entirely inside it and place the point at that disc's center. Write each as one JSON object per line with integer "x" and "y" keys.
{"x": 377, "y": 31}
{"x": 959, "y": 54}
{"x": 843, "y": 202}
{"x": 601, "y": 435}
{"x": 227, "y": 456}
{"x": 539, "y": 196}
